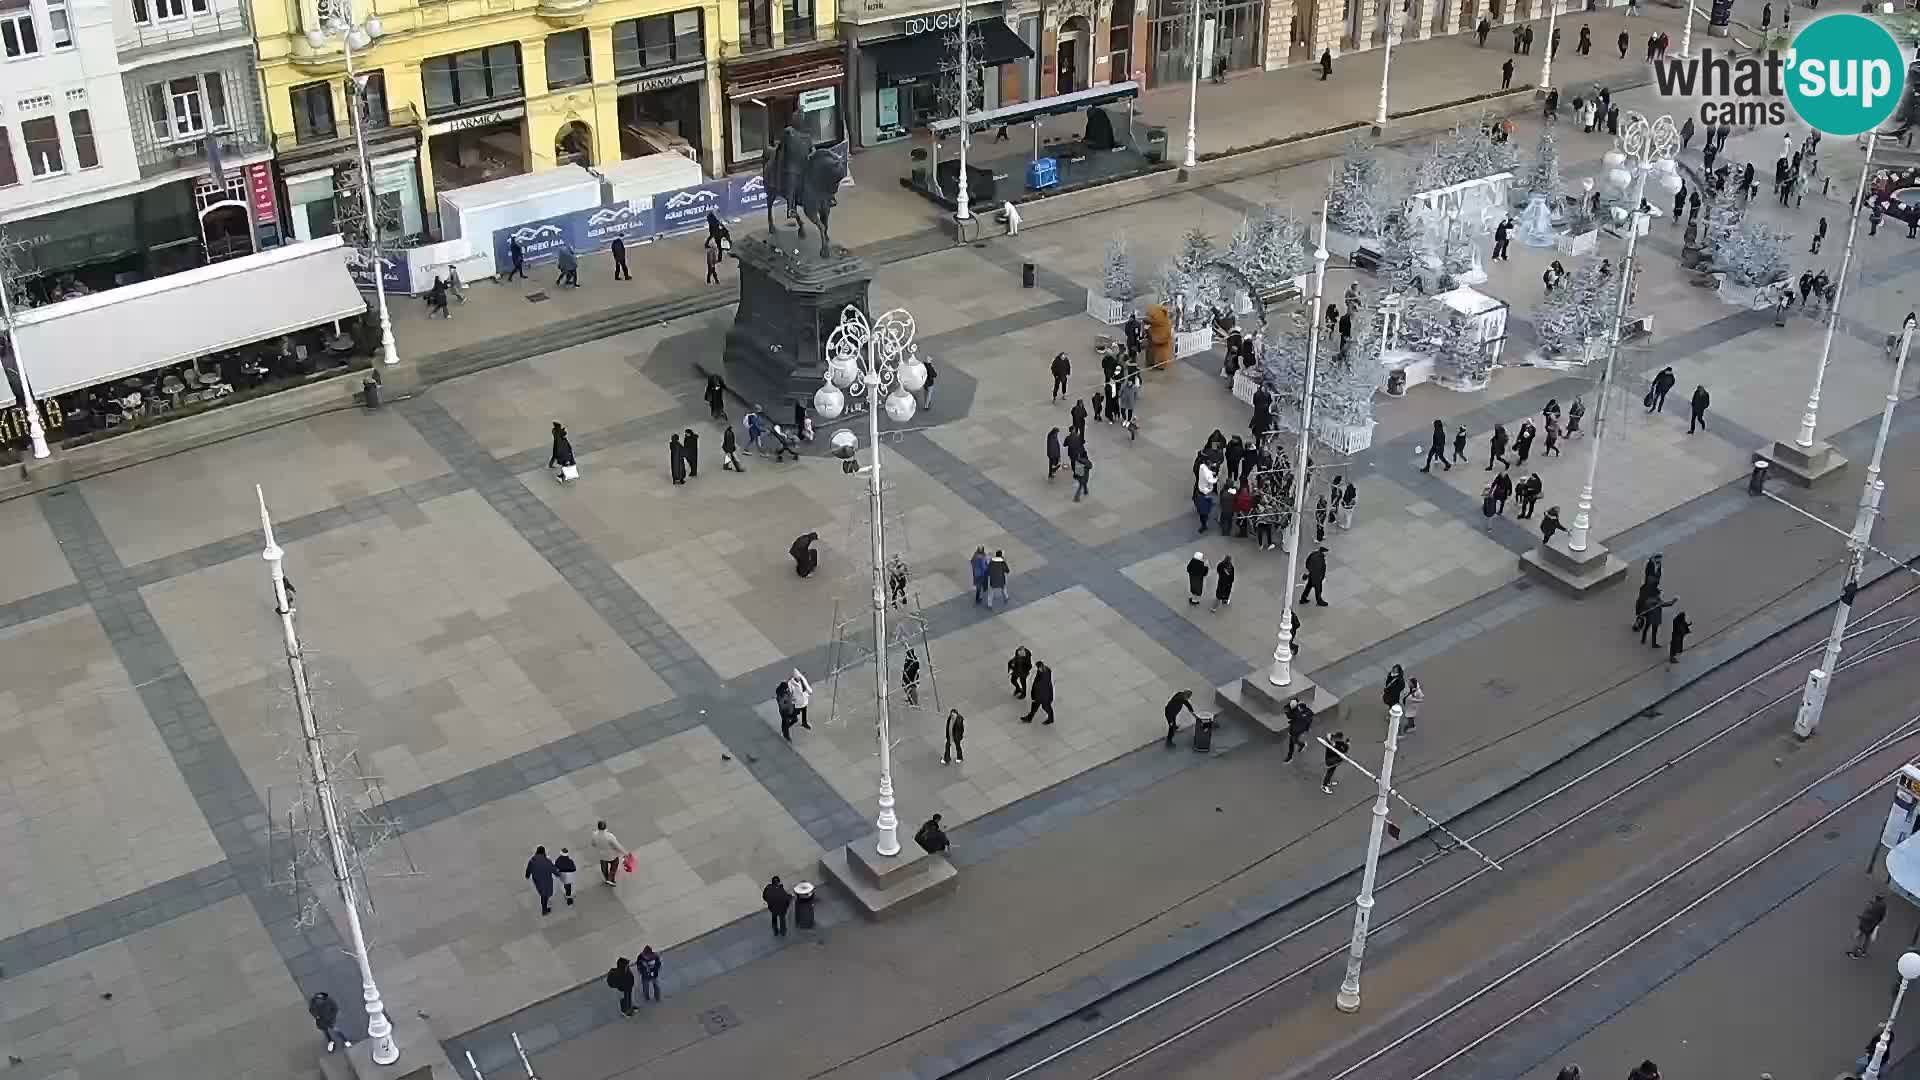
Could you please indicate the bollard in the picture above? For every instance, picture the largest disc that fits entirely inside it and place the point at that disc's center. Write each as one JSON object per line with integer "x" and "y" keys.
{"x": 1757, "y": 483}
{"x": 1027, "y": 274}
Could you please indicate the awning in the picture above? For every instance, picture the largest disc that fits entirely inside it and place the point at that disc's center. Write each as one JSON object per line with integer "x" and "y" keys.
{"x": 919, "y": 55}
{"x": 111, "y": 335}
{"x": 1058, "y": 105}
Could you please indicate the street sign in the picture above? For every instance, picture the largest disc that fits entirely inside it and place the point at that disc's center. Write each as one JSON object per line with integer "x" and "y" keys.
{"x": 1906, "y": 801}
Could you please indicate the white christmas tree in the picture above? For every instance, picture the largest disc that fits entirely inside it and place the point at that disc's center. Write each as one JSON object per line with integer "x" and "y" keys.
{"x": 1353, "y": 198}
{"x": 1456, "y": 254}
{"x": 1580, "y": 310}
{"x": 1196, "y": 250}
{"x": 1543, "y": 178}
{"x": 1468, "y": 152}
{"x": 1724, "y": 213}
{"x": 1269, "y": 249}
{"x": 1117, "y": 279}
{"x": 1463, "y": 359}
{"x": 1400, "y": 253}
{"x": 1755, "y": 255}
{"x": 1344, "y": 380}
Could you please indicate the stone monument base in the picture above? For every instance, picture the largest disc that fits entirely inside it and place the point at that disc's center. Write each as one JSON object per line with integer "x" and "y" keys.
{"x": 421, "y": 1057}
{"x": 886, "y": 886}
{"x": 790, "y": 302}
{"x": 1802, "y": 466}
{"x": 1571, "y": 571}
{"x": 1254, "y": 700}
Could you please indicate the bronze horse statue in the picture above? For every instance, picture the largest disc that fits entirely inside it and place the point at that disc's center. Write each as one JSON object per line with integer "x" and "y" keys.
{"x": 806, "y": 178}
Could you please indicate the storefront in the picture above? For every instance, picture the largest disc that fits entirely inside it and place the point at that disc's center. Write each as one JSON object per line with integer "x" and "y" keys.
{"x": 101, "y": 245}
{"x": 904, "y": 79}
{"x": 1234, "y": 32}
{"x": 664, "y": 113}
{"x": 476, "y": 116}
{"x": 764, "y": 97}
{"x": 312, "y": 207}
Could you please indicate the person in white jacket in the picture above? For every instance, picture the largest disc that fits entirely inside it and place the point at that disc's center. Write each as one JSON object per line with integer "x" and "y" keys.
{"x": 801, "y": 693}
{"x": 608, "y": 849}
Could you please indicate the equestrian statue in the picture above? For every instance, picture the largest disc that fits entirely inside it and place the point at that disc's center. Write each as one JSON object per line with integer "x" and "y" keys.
{"x": 806, "y": 178}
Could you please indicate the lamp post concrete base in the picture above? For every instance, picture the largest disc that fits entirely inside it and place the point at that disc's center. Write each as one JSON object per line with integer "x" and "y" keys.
{"x": 421, "y": 1057}
{"x": 1573, "y": 572}
{"x": 1254, "y": 700}
{"x": 1799, "y": 465}
{"x": 883, "y": 885}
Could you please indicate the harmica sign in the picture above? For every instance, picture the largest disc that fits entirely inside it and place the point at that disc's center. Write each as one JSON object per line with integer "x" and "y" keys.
{"x": 1843, "y": 75}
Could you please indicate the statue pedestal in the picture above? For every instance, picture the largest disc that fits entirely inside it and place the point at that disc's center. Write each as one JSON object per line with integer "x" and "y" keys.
{"x": 790, "y": 301}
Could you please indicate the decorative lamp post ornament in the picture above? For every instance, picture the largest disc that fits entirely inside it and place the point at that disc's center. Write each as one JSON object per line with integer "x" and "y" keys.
{"x": 337, "y": 21}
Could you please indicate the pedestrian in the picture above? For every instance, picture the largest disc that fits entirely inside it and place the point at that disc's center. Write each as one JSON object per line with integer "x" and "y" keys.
{"x": 1677, "y": 636}
{"x": 1082, "y": 472}
{"x": 1506, "y": 78}
{"x": 1529, "y": 493}
{"x": 910, "y": 679}
{"x": 800, "y": 693}
{"x": 777, "y": 899}
{"x": 1553, "y": 437}
{"x": 718, "y": 236}
{"x": 1129, "y": 401}
{"x": 1018, "y": 668}
{"x": 1656, "y": 399}
{"x": 1410, "y": 703}
{"x": 608, "y": 850}
{"x": 1196, "y": 577}
{"x": 1437, "y": 448}
{"x": 977, "y": 566}
{"x": 1551, "y": 110}
{"x": 1489, "y": 506}
{"x": 326, "y": 1015}
{"x": 1873, "y": 221}
{"x": 1062, "y": 367}
{"x": 540, "y": 872}
{"x": 620, "y": 977}
{"x": 931, "y": 837}
{"x": 1326, "y": 64}
{"x": 926, "y": 392}
{"x": 1766, "y": 20}
{"x": 437, "y": 300}
{"x": 1497, "y": 447}
{"x": 1585, "y": 44}
{"x": 1697, "y": 408}
{"x": 1182, "y": 699}
{"x": 677, "y": 456}
{"x": 561, "y": 460}
{"x": 1653, "y": 46}
{"x": 1623, "y": 41}
{"x": 1502, "y": 490}
{"x": 1656, "y": 567}
{"x": 1686, "y": 133}
{"x": 1526, "y": 41}
{"x": 569, "y": 266}
{"x": 1223, "y": 582}
{"x": 648, "y": 964}
{"x": 1502, "y": 237}
{"x": 1316, "y": 577}
{"x": 1651, "y": 616}
{"x": 729, "y": 450}
{"x": 1819, "y": 234}
{"x": 1553, "y": 44}
{"x": 1040, "y": 694}
{"x": 1550, "y": 524}
{"x": 517, "y": 257}
{"x": 1519, "y": 38}
{"x": 620, "y": 271}
{"x": 1053, "y": 452}
{"x": 714, "y": 255}
{"x": 1867, "y": 926}
{"x": 1483, "y": 30}
{"x": 956, "y": 734}
{"x": 1203, "y": 494}
{"x": 1523, "y": 442}
{"x": 1460, "y": 444}
{"x": 783, "y": 704}
{"x": 756, "y": 430}
{"x": 716, "y": 396}
{"x": 896, "y": 581}
{"x": 1077, "y": 418}
{"x": 1336, "y": 754}
{"x": 564, "y": 868}
{"x": 997, "y": 570}
{"x": 1394, "y": 687}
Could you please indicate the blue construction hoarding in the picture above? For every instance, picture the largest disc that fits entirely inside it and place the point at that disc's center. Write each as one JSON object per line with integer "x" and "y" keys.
{"x": 591, "y": 230}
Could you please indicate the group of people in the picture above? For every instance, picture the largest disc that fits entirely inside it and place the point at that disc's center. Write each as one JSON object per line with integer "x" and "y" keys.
{"x": 1649, "y": 611}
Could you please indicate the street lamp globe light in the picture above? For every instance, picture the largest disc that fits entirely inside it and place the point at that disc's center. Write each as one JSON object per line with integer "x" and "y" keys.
{"x": 1909, "y": 966}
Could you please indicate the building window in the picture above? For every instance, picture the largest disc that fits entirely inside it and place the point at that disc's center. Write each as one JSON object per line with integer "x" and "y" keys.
{"x": 658, "y": 41}
{"x": 756, "y": 24}
{"x": 472, "y": 78}
{"x": 567, "y": 60}
{"x": 59, "y": 30}
{"x": 147, "y": 11}
{"x": 373, "y": 98}
{"x": 17, "y": 34}
{"x": 9, "y": 175}
{"x": 187, "y": 107}
{"x": 798, "y": 19}
{"x": 312, "y": 111}
{"x": 84, "y": 150}
{"x": 42, "y": 134}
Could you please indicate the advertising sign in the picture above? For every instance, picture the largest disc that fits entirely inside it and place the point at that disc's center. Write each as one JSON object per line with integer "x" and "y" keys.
{"x": 593, "y": 229}
{"x": 260, "y": 193}
{"x": 624, "y": 220}
{"x": 687, "y": 208}
{"x": 394, "y": 274}
{"x": 1906, "y": 797}
{"x": 748, "y": 196}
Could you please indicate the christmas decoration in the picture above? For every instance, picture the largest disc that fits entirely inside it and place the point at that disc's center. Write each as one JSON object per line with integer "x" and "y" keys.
{"x": 1468, "y": 152}
{"x": 1270, "y": 249}
{"x": 1543, "y": 177}
{"x": 1579, "y": 311}
{"x": 1118, "y": 276}
{"x": 1344, "y": 381}
{"x": 1754, "y": 255}
{"x": 1400, "y": 252}
{"x": 1196, "y": 251}
{"x": 1353, "y": 199}
{"x": 1463, "y": 361}
{"x": 1724, "y": 212}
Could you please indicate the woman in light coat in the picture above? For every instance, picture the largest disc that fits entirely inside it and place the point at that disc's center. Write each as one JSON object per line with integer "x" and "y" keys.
{"x": 1410, "y": 705}
{"x": 801, "y": 693}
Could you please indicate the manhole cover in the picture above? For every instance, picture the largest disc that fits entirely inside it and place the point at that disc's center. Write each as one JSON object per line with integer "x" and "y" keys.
{"x": 718, "y": 1019}
{"x": 537, "y": 297}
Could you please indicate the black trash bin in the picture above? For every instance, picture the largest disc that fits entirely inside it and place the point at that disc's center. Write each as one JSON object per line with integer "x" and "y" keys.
{"x": 803, "y": 905}
{"x": 370, "y": 392}
{"x": 1156, "y": 144}
{"x": 1203, "y": 733}
{"x": 1757, "y": 483}
{"x": 1027, "y": 273}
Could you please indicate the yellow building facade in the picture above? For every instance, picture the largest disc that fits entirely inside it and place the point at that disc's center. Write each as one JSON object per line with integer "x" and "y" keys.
{"x": 460, "y": 92}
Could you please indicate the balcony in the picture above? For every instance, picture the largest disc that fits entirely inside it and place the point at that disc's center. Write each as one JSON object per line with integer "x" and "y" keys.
{"x": 147, "y": 41}
{"x": 758, "y": 42}
{"x": 402, "y": 127}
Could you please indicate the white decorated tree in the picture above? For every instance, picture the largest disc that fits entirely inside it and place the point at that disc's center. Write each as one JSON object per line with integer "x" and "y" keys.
{"x": 1462, "y": 359}
{"x": 1456, "y": 254}
{"x": 1344, "y": 384}
{"x": 1581, "y": 309}
{"x": 1754, "y": 255}
{"x": 1543, "y": 176}
{"x": 1400, "y": 253}
{"x": 1468, "y": 152}
{"x": 1353, "y": 204}
{"x": 1196, "y": 250}
{"x": 1269, "y": 249}
{"x": 1117, "y": 277}
{"x": 1724, "y": 213}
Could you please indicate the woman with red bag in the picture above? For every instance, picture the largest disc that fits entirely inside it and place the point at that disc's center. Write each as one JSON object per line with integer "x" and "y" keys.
{"x": 608, "y": 849}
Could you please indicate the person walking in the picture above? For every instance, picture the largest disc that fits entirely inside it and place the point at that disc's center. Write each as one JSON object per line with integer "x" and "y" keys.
{"x": 1585, "y": 44}
{"x": 1677, "y": 636}
{"x": 540, "y": 872}
{"x": 1196, "y": 577}
{"x": 1019, "y": 669}
{"x": 800, "y": 692}
{"x": 619, "y": 250}
{"x": 569, "y": 266}
{"x": 1651, "y": 607}
{"x": 1553, "y": 437}
{"x": 997, "y": 577}
{"x": 1336, "y": 754}
{"x": 1182, "y": 699}
{"x": 729, "y": 450}
{"x": 690, "y": 452}
{"x": 1575, "y": 413}
{"x": 1299, "y": 721}
{"x": 1623, "y": 41}
{"x": 608, "y": 850}
{"x": 1523, "y": 443}
{"x": 620, "y": 977}
{"x": 1506, "y": 80}
{"x": 783, "y": 703}
{"x": 1053, "y": 452}
{"x": 1503, "y": 235}
{"x": 1316, "y": 577}
{"x": 1526, "y": 41}
{"x": 1410, "y": 703}
{"x": 1550, "y": 524}
{"x": 956, "y": 734}
{"x": 1460, "y": 444}
{"x": 1203, "y": 494}
{"x": 1326, "y": 64}
{"x": 777, "y": 899}
{"x": 647, "y": 964}
{"x": 1697, "y": 409}
{"x": 1867, "y": 926}
{"x": 1819, "y": 234}
{"x": 517, "y": 256}
{"x": 1553, "y": 44}
{"x": 1489, "y": 506}
{"x": 1223, "y": 583}
{"x": 677, "y": 458}
{"x": 1437, "y": 448}
{"x": 1502, "y": 490}
{"x": 1657, "y": 392}
{"x": 1529, "y": 493}
{"x": 716, "y": 396}
{"x": 561, "y": 460}
{"x": 326, "y": 1016}
{"x": 1483, "y": 30}
{"x": 1497, "y": 447}
{"x": 1040, "y": 695}
{"x": 1082, "y": 472}
{"x": 564, "y": 868}
{"x": 1062, "y": 368}
{"x": 977, "y": 565}
{"x": 714, "y": 255}
{"x": 1077, "y": 418}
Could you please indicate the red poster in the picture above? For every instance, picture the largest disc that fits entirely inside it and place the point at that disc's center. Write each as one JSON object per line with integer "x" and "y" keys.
{"x": 260, "y": 191}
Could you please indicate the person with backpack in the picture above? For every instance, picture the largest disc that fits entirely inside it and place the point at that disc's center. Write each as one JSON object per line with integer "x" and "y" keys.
{"x": 620, "y": 977}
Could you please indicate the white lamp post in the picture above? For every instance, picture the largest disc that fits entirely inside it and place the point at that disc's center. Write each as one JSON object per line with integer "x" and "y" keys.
{"x": 36, "y": 433}
{"x": 1909, "y": 968}
{"x": 1814, "y": 698}
{"x": 1348, "y": 1000}
{"x": 1811, "y": 419}
{"x": 1386, "y": 62}
{"x": 960, "y": 211}
{"x": 878, "y": 354}
{"x": 385, "y": 1050}
{"x": 1686, "y": 33}
{"x": 1193, "y": 93}
{"x": 1546, "y": 62}
{"x": 1649, "y": 146}
{"x": 1281, "y": 673}
{"x": 337, "y": 21}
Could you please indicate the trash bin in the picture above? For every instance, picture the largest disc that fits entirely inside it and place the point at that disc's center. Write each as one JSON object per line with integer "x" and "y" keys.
{"x": 1027, "y": 273}
{"x": 1156, "y": 144}
{"x": 803, "y": 905}
{"x": 370, "y": 392}
{"x": 1757, "y": 483}
{"x": 1203, "y": 733}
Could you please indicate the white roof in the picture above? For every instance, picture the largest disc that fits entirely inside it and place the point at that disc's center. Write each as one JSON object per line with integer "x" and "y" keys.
{"x": 1469, "y": 301}
{"x": 509, "y": 190}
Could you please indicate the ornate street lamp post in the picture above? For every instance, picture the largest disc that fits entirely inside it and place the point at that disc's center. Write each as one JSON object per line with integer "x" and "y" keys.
{"x": 337, "y": 21}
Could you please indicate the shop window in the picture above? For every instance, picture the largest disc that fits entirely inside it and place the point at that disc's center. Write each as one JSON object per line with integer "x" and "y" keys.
{"x": 657, "y": 41}
{"x": 567, "y": 61}
{"x": 473, "y": 77}
{"x": 187, "y": 107}
{"x": 17, "y": 34}
{"x": 85, "y": 152}
{"x": 798, "y": 20}
{"x": 42, "y": 135}
{"x": 312, "y": 111}
{"x": 9, "y": 174}
{"x": 756, "y": 24}
{"x": 147, "y": 11}
{"x": 373, "y": 99}
{"x": 59, "y": 29}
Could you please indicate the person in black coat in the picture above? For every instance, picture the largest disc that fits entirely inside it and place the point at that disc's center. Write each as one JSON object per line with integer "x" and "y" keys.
{"x": 562, "y": 456}
{"x": 956, "y": 734}
{"x": 1019, "y": 669}
{"x": 1077, "y": 418}
{"x": 1550, "y": 524}
{"x": 1316, "y": 577}
{"x": 564, "y": 868}
{"x": 690, "y": 450}
{"x": 931, "y": 837}
{"x": 1040, "y": 694}
{"x": 517, "y": 256}
{"x": 1182, "y": 699}
{"x": 1223, "y": 582}
{"x": 1326, "y": 64}
{"x": 540, "y": 872}
{"x": 647, "y": 964}
{"x": 777, "y": 899}
{"x": 716, "y": 395}
{"x": 1336, "y": 754}
{"x": 805, "y": 559}
{"x": 1196, "y": 577}
{"x": 326, "y": 1016}
{"x": 677, "y": 456}
{"x": 1502, "y": 491}
{"x": 1697, "y": 408}
{"x": 1677, "y": 640}
{"x": 1062, "y": 367}
{"x": 1523, "y": 442}
{"x": 730, "y": 451}
{"x": 1299, "y": 722}
{"x": 1262, "y": 412}
{"x": 1437, "y": 447}
{"x": 1497, "y": 446}
{"x": 619, "y": 250}
{"x": 1053, "y": 452}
